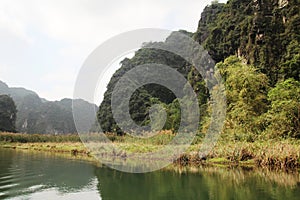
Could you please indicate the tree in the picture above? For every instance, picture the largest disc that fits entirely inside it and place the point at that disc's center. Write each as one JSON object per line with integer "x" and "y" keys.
{"x": 291, "y": 67}
{"x": 284, "y": 115}
{"x": 246, "y": 93}
{"x": 8, "y": 113}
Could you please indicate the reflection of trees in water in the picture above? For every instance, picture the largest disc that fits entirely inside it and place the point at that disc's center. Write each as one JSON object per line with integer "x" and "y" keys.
{"x": 251, "y": 184}
{"x": 5, "y": 163}
{"x": 155, "y": 185}
{"x": 203, "y": 183}
{"x": 5, "y": 171}
{"x": 241, "y": 175}
{"x": 29, "y": 170}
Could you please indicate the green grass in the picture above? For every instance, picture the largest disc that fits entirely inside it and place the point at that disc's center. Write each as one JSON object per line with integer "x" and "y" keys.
{"x": 276, "y": 154}
{"x": 50, "y": 147}
{"x": 219, "y": 160}
{"x": 35, "y": 138}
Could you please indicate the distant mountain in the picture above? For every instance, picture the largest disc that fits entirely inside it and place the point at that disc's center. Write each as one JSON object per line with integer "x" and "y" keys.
{"x": 37, "y": 115}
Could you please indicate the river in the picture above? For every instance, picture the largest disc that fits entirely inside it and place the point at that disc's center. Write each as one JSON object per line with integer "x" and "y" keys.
{"x": 35, "y": 175}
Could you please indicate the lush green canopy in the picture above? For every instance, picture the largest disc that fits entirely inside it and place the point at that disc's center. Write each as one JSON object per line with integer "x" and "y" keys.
{"x": 257, "y": 46}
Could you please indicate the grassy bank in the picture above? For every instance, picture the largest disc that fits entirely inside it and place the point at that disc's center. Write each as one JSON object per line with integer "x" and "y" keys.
{"x": 37, "y": 138}
{"x": 275, "y": 154}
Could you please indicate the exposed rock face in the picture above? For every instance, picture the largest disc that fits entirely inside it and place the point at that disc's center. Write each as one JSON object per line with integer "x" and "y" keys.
{"x": 260, "y": 31}
{"x": 208, "y": 16}
{"x": 36, "y": 115}
{"x": 264, "y": 33}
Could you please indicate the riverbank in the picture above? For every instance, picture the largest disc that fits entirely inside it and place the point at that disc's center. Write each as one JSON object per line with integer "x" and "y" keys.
{"x": 273, "y": 154}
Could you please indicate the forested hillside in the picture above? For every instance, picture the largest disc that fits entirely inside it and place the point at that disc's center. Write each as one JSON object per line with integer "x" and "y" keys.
{"x": 37, "y": 115}
{"x": 256, "y": 46}
{"x": 8, "y": 113}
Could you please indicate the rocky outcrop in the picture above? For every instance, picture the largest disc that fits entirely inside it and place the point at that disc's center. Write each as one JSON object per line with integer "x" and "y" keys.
{"x": 260, "y": 31}
{"x": 37, "y": 115}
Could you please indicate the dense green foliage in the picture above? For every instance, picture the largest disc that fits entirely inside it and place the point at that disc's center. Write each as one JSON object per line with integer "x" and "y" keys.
{"x": 246, "y": 92}
{"x": 257, "y": 46}
{"x": 283, "y": 117}
{"x": 37, "y": 115}
{"x": 148, "y": 95}
{"x": 8, "y": 113}
{"x": 37, "y": 138}
{"x": 256, "y": 110}
{"x": 265, "y": 33}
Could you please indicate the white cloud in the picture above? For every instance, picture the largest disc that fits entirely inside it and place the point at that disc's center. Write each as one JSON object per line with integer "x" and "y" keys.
{"x": 12, "y": 19}
{"x": 52, "y": 37}
{"x": 4, "y": 70}
{"x": 86, "y": 22}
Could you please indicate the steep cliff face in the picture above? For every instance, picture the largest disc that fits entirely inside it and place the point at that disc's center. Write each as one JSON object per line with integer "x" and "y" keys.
{"x": 147, "y": 95}
{"x": 264, "y": 33}
{"x": 208, "y": 16}
{"x": 37, "y": 115}
{"x": 260, "y": 31}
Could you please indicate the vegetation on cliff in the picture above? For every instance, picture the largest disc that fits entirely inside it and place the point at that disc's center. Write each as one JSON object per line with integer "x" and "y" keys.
{"x": 256, "y": 45}
{"x": 37, "y": 115}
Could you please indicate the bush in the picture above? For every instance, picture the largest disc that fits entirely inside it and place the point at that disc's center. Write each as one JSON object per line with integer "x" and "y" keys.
{"x": 283, "y": 118}
{"x": 35, "y": 138}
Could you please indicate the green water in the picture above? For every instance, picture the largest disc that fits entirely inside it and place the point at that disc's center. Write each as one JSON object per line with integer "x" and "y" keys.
{"x": 25, "y": 175}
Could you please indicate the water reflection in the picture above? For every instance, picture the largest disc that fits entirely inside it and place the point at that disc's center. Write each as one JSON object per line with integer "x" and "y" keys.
{"x": 33, "y": 175}
{"x": 201, "y": 183}
{"x": 26, "y": 175}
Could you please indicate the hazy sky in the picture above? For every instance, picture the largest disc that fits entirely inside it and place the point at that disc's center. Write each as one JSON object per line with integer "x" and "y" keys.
{"x": 43, "y": 43}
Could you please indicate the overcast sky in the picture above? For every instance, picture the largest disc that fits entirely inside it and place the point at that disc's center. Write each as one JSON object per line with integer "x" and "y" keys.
{"x": 43, "y": 43}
